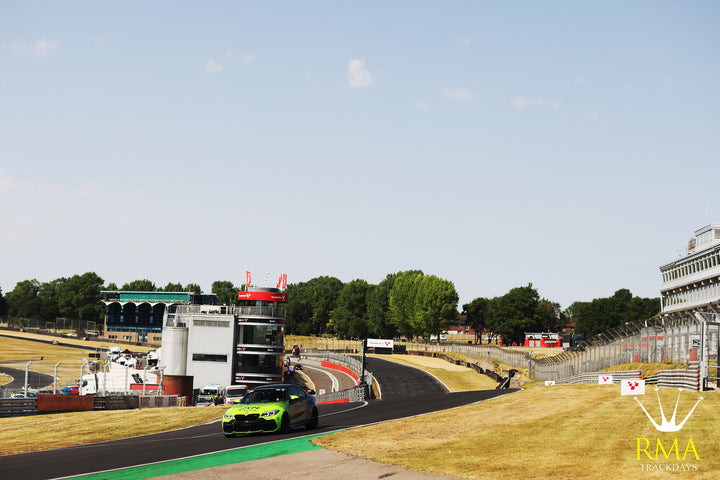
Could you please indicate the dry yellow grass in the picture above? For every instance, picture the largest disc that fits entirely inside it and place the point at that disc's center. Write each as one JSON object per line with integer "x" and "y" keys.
{"x": 17, "y": 434}
{"x": 580, "y": 431}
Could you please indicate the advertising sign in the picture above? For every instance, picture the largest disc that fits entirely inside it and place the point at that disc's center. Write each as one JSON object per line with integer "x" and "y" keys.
{"x": 263, "y": 296}
{"x": 380, "y": 343}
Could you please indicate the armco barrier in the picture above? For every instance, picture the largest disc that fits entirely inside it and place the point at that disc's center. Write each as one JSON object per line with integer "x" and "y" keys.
{"x": 688, "y": 379}
{"x": 15, "y": 407}
{"x": 357, "y": 394}
{"x": 592, "y": 377}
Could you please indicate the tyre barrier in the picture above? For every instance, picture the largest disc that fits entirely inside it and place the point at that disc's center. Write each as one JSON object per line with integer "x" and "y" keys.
{"x": 688, "y": 379}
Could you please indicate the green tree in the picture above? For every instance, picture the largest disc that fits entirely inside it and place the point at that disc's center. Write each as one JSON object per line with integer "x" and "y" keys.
{"x": 50, "y": 294}
{"x": 602, "y": 314}
{"x": 477, "y": 313}
{"x": 226, "y": 291}
{"x": 139, "y": 286}
{"x": 550, "y": 316}
{"x": 299, "y": 309}
{"x": 310, "y": 304}
{"x": 80, "y": 297}
{"x": 172, "y": 287}
{"x": 379, "y": 321}
{"x": 23, "y": 300}
{"x": 403, "y": 296}
{"x": 3, "y": 305}
{"x": 350, "y": 313}
{"x": 436, "y": 305}
{"x": 112, "y": 286}
{"x": 193, "y": 288}
{"x": 515, "y": 313}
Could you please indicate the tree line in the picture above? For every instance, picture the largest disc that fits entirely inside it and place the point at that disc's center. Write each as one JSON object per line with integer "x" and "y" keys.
{"x": 404, "y": 304}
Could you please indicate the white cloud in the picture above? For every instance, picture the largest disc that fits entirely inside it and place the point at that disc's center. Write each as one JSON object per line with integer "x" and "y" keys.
{"x": 310, "y": 80}
{"x": 9, "y": 184}
{"x": 212, "y": 67}
{"x": 358, "y": 75}
{"x": 459, "y": 93}
{"x": 99, "y": 42}
{"x": 230, "y": 54}
{"x": 41, "y": 48}
{"x": 248, "y": 57}
{"x": 420, "y": 103}
{"x": 462, "y": 39}
{"x": 593, "y": 117}
{"x": 582, "y": 79}
{"x": 669, "y": 80}
{"x": 523, "y": 102}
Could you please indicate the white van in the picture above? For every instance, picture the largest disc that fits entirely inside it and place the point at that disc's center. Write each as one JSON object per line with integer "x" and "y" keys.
{"x": 234, "y": 393}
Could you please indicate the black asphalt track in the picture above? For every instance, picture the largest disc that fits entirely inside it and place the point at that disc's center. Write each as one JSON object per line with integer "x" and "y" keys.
{"x": 35, "y": 380}
{"x": 412, "y": 393}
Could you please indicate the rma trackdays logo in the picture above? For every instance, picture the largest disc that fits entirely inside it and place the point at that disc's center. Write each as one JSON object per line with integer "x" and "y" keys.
{"x": 667, "y": 426}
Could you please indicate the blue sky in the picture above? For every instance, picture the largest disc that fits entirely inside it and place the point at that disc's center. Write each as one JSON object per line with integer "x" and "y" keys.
{"x": 569, "y": 145}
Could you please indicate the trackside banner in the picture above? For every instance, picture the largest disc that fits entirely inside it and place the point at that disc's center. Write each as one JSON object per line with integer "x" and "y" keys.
{"x": 380, "y": 343}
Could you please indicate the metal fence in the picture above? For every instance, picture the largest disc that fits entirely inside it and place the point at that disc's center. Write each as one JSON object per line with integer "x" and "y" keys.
{"x": 507, "y": 355}
{"x": 682, "y": 339}
{"x": 677, "y": 340}
{"x": 20, "y": 377}
{"x": 59, "y": 326}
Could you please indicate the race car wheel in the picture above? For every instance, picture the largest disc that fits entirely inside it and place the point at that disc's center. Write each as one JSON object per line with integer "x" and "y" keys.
{"x": 285, "y": 424}
{"x": 313, "y": 421}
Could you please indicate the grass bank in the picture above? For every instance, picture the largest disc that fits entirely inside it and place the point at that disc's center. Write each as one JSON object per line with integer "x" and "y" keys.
{"x": 573, "y": 432}
{"x": 19, "y": 434}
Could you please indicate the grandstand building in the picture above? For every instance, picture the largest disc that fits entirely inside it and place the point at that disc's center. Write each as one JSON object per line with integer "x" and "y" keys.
{"x": 691, "y": 284}
{"x": 138, "y": 316}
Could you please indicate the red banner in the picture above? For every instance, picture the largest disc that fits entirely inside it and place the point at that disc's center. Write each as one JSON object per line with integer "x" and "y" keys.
{"x": 247, "y": 277}
{"x": 282, "y": 281}
{"x": 263, "y": 296}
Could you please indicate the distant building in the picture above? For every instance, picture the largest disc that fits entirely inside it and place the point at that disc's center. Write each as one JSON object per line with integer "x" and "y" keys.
{"x": 691, "y": 283}
{"x": 543, "y": 339}
{"x": 461, "y": 327}
{"x": 138, "y": 316}
{"x": 235, "y": 344}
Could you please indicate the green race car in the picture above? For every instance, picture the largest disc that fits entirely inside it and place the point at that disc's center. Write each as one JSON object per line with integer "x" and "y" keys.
{"x": 271, "y": 408}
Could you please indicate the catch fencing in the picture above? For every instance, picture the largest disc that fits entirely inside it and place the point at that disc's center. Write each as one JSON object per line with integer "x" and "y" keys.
{"x": 682, "y": 339}
{"x": 46, "y": 375}
{"x": 507, "y": 355}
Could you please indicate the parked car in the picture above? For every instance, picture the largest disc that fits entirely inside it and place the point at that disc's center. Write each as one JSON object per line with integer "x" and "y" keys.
{"x": 71, "y": 389}
{"x": 271, "y": 408}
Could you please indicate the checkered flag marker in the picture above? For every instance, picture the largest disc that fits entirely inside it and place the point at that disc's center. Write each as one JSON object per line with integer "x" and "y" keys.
{"x": 632, "y": 387}
{"x": 549, "y": 382}
{"x": 605, "y": 380}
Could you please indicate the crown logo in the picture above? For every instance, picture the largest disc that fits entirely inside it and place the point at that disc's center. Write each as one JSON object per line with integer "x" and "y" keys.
{"x": 668, "y": 425}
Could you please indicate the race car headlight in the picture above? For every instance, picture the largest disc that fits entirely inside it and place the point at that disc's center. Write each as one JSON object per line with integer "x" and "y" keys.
{"x": 270, "y": 413}
{"x": 229, "y": 416}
